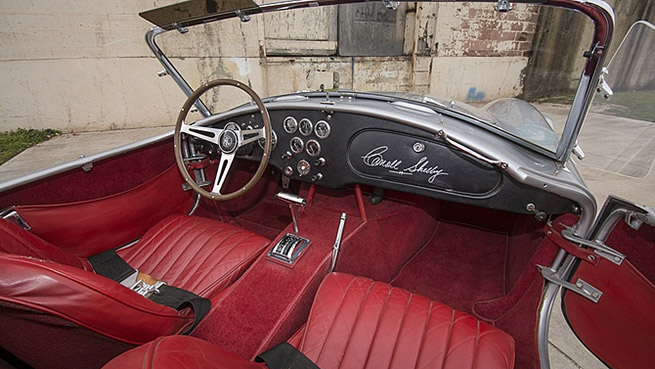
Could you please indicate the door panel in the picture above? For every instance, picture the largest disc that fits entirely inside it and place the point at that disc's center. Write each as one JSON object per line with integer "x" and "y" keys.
{"x": 620, "y": 327}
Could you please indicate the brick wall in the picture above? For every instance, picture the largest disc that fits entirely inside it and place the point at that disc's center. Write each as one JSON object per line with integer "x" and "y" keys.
{"x": 478, "y": 30}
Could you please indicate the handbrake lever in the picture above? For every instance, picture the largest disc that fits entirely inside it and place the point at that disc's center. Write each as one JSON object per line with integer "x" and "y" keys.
{"x": 293, "y": 201}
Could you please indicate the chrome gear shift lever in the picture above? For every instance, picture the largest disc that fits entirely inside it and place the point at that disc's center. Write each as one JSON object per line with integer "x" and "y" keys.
{"x": 293, "y": 201}
{"x": 290, "y": 246}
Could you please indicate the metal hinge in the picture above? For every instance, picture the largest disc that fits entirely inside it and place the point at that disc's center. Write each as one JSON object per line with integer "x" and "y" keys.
{"x": 580, "y": 287}
{"x": 598, "y": 247}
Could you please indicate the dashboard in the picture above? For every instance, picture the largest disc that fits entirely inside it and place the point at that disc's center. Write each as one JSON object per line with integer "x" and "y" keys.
{"x": 384, "y": 145}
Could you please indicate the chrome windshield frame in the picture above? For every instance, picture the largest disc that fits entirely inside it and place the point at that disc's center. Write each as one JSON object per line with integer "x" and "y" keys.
{"x": 598, "y": 11}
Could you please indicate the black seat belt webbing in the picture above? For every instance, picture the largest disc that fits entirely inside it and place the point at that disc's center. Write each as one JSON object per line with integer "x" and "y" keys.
{"x": 109, "y": 264}
{"x": 178, "y": 298}
{"x": 285, "y": 356}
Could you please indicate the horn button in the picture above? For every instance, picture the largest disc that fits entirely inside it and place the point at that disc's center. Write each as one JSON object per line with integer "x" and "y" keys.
{"x": 228, "y": 141}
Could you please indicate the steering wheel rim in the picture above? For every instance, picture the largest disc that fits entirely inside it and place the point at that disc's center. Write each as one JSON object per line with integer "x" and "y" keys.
{"x": 220, "y": 137}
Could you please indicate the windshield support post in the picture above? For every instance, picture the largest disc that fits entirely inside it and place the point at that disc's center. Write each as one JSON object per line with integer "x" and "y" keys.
{"x": 171, "y": 70}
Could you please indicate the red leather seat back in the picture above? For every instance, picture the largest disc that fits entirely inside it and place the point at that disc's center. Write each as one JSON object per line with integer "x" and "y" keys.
{"x": 356, "y": 322}
{"x": 17, "y": 241}
{"x": 73, "y": 298}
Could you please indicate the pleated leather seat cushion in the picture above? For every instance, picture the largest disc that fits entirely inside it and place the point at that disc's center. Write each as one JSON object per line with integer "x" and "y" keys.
{"x": 356, "y": 323}
{"x": 196, "y": 254}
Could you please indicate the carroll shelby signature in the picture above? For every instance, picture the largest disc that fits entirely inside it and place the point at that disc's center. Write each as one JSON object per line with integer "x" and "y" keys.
{"x": 375, "y": 158}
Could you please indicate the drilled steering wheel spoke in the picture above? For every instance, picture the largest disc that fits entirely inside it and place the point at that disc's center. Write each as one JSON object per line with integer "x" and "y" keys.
{"x": 208, "y": 134}
{"x": 247, "y": 136}
{"x": 224, "y": 164}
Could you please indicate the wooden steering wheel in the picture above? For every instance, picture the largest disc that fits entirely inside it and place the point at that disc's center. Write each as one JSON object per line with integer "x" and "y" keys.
{"x": 227, "y": 140}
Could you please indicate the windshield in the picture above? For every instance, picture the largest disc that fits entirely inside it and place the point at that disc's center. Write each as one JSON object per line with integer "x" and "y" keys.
{"x": 618, "y": 137}
{"x": 514, "y": 72}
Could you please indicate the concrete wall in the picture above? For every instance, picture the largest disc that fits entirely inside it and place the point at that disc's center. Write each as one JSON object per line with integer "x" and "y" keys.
{"x": 84, "y": 66}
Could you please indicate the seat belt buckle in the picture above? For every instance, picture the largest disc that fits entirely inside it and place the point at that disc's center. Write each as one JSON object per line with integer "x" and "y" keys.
{"x": 146, "y": 289}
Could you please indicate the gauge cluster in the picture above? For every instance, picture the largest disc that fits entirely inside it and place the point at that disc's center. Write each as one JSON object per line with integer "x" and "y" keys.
{"x": 302, "y": 152}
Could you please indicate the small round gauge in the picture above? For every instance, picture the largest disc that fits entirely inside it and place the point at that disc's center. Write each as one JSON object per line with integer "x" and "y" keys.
{"x": 296, "y": 145}
{"x": 322, "y": 129}
{"x": 305, "y": 127}
{"x": 290, "y": 125}
{"x": 303, "y": 168}
{"x": 262, "y": 141}
{"x": 232, "y": 126}
{"x": 313, "y": 148}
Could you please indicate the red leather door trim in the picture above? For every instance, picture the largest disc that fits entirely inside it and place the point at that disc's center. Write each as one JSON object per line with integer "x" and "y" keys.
{"x": 88, "y": 227}
{"x": 619, "y": 328}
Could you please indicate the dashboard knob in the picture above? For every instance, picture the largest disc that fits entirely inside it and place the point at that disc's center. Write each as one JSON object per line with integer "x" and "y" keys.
{"x": 286, "y": 155}
{"x": 288, "y": 171}
{"x": 317, "y": 177}
{"x": 319, "y": 162}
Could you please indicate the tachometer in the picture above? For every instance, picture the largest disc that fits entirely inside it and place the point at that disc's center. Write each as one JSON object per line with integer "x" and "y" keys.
{"x": 322, "y": 129}
{"x": 305, "y": 127}
{"x": 290, "y": 125}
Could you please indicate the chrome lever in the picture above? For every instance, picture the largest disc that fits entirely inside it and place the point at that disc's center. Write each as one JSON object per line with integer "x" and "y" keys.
{"x": 337, "y": 241}
{"x": 293, "y": 201}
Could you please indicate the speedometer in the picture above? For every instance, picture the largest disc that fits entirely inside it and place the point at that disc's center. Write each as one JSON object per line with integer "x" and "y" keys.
{"x": 305, "y": 127}
{"x": 290, "y": 125}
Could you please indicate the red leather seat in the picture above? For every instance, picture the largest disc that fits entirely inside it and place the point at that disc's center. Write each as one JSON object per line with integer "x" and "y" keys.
{"x": 55, "y": 312}
{"x": 357, "y": 323}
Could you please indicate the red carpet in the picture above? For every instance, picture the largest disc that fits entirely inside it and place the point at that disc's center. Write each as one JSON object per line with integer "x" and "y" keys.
{"x": 459, "y": 266}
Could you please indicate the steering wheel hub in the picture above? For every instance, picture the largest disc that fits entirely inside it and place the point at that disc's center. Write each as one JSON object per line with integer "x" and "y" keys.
{"x": 228, "y": 141}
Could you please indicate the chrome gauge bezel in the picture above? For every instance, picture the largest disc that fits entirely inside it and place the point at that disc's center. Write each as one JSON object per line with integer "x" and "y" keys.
{"x": 303, "y": 167}
{"x": 327, "y": 126}
{"x": 305, "y": 127}
{"x": 234, "y": 126}
{"x": 318, "y": 148}
{"x": 262, "y": 141}
{"x": 292, "y": 128}
{"x": 302, "y": 145}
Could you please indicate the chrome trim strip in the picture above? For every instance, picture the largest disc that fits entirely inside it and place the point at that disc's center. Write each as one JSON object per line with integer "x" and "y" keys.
{"x": 79, "y": 163}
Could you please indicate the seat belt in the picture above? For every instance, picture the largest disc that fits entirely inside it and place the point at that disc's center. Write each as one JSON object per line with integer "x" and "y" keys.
{"x": 285, "y": 356}
{"x": 109, "y": 264}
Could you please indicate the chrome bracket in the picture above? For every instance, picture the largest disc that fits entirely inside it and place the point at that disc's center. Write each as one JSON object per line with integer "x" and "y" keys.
{"x": 599, "y": 248}
{"x": 242, "y": 16}
{"x": 17, "y": 219}
{"x": 603, "y": 86}
{"x": 635, "y": 220}
{"x": 179, "y": 28}
{"x": 391, "y": 5}
{"x": 580, "y": 287}
{"x": 503, "y": 6}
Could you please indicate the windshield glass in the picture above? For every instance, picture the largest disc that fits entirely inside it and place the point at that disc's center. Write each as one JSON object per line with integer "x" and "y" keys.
{"x": 618, "y": 137}
{"x": 509, "y": 71}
